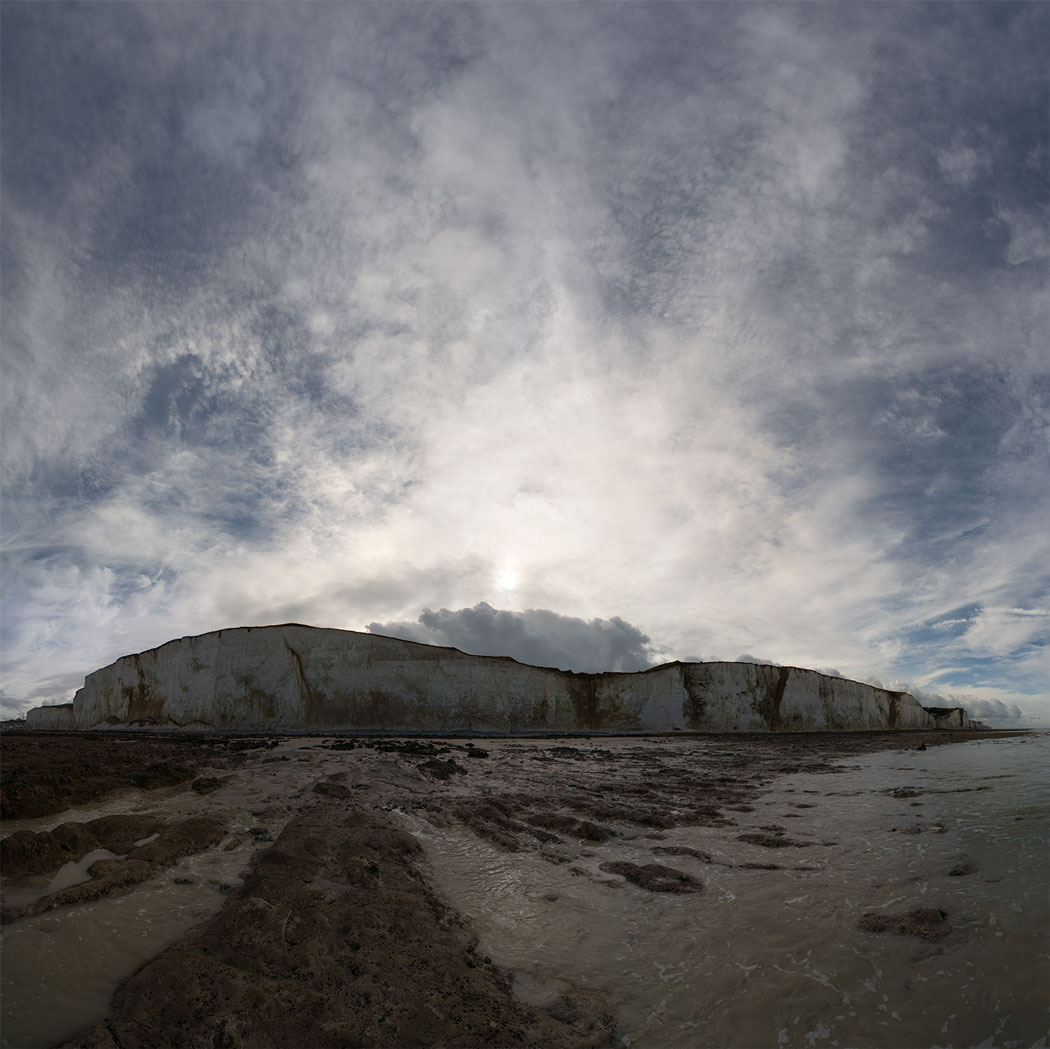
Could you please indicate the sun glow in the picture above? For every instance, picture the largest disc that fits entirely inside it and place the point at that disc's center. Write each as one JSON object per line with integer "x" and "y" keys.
{"x": 507, "y": 578}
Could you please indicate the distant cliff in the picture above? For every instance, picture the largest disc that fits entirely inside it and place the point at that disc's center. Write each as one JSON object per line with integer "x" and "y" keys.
{"x": 298, "y": 678}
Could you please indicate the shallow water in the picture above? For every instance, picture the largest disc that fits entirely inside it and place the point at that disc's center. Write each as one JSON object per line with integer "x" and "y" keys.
{"x": 58, "y": 970}
{"x": 774, "y": 958}
{"x": 61, "y": 967}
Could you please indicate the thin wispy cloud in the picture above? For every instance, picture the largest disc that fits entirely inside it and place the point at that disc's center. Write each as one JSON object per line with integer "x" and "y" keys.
{"x": 725, "y": 321}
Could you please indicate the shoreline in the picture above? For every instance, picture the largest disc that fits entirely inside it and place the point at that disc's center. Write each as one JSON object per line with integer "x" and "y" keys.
{"x": 36, "y": 792}
{"x": 330, "y": 863}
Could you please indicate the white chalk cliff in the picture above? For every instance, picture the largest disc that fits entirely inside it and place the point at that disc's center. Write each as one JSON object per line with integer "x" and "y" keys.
{"x": 297, "y": 678}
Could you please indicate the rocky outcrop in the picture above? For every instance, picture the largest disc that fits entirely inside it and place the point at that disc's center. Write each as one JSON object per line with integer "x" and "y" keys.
{"x": 298, "y": 678}
{"x": 157, "y": 849}
{"x": 336, "y": 939}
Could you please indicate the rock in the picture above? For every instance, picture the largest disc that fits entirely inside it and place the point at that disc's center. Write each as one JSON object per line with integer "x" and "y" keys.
{"x": 580, "y": 830}
{"x": 78, "y": 839}
{"x": 332, "y": 790}
{"x": 294, "y": 677}
{"x": 773, "y": 841}
{"x": 313, "y": 950}
{"x": 441, "y": 769}
{"x": 654, "y": 876}
{"x": 963, "y": 867}
{"x": 167, "y": 775}
{"x": 39, "y": 777}
{"x": 183, "y": 838}
{"x": 925, "y": 922}
{"x": 951, "y": 718}
{"x": 25, "y": 853}
{"x": 60, "y": 717}
{"x": 102, "y": 868}
{"x": 118, "y": 834}
{"x": 683, "y": 850}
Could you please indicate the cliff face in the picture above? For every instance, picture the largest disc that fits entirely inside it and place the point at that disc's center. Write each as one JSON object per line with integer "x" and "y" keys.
{"x": 298, "y": 678}
{"x": 57, "y": 717}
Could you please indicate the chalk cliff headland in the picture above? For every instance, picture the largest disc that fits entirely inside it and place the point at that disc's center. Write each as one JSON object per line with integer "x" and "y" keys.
{"x": 293, "y": 678}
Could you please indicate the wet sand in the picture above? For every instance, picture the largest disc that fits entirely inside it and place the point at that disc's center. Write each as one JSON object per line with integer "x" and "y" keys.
{"x": 320, "y": 919}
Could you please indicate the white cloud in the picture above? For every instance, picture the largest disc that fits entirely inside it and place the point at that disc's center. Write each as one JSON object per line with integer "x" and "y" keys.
{"x": 948, "y": 624}
{"x": 994, "y": 708}
{"x": 1001, "y": 631}
{"x": 654, "y": 311}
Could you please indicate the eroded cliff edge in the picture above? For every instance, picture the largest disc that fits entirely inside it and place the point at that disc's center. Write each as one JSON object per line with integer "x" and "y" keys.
{"x": 298, "y": 678}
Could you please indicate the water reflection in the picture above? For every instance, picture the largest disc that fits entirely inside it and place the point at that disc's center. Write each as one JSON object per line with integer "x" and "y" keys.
{"x": 774, "y": 957}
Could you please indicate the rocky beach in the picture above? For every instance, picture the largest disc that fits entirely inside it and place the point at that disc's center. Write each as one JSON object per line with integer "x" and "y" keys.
{"x": 326, "y": 882}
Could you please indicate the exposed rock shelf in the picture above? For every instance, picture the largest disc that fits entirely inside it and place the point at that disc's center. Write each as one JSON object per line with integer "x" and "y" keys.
{"x": 298, "y": 678}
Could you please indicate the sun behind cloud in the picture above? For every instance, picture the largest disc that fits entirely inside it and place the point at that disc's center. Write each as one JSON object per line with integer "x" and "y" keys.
{"x": 508, "y": 577}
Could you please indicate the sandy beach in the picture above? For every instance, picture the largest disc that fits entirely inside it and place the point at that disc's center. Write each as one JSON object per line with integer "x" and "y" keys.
{"x": 314, "y": 877}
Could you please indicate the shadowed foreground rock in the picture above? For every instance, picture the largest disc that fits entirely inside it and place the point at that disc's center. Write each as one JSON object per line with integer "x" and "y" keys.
{"x": 654, "y": 876}
{"x": 335, "y": 940}
{"x": 26, "y": 852}
{"x": 77, "y": 772}
{"x": 925, "y": 922}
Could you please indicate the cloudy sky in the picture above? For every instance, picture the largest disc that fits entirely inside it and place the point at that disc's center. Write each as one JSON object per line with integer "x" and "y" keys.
{"x": 604, "y": 334}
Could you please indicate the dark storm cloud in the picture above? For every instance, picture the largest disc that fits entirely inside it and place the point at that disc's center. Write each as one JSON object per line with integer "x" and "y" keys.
{"x": 536, "y": 636}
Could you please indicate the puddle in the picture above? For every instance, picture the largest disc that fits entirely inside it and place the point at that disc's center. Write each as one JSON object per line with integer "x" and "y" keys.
{"x": 29, "y": 890}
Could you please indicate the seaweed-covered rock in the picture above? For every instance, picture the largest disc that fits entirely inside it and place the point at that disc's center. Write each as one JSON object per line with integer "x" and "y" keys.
{"x": 334, "y": 939}
{"x": 925, "y": 922}
{"x": 655, "y": 877}
{"x": 776, "y": 840}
